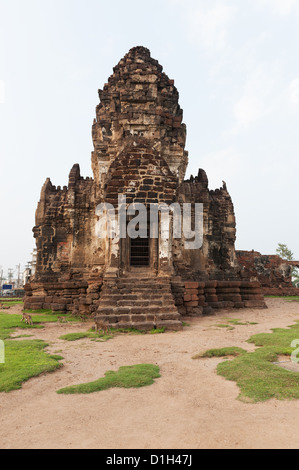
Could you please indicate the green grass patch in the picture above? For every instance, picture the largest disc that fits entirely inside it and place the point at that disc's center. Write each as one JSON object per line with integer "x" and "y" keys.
{"x": 23, "y": 359}
{"x": 8, "y": 323}
{"x": 22, "y": 336}
{"x": 77, "y": 336}
{"x": 26, "y": 358}
{"x": 224, "y": 325}
{"x": 234, "y": 322}
{"x": 237, "y": 321}
{"x": 127, "y": 331}
{"x": 95, "y": 336}
{"x": 41, "y": 310}
{"x": 254, "y": 372}
{"x": 12, "y": 303}
{"x": 14, "y": 298}
{"x": 56, "y": 357}
{"x": 157, "y": 331}
{"x": 87, "y": 334}
{"x": 136, "y": 376}
{"x": 48, "y": 316}
{"x": 222, "y": 352}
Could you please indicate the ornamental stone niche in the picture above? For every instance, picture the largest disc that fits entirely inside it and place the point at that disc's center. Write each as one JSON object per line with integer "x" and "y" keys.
{"x": 139, "y": 155}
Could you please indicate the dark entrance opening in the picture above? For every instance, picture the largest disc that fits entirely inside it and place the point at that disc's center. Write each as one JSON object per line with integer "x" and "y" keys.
{"x": 139, "y": 252}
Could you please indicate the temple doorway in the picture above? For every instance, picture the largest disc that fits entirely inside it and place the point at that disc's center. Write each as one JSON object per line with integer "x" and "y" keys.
{"x": 139, "y": 252}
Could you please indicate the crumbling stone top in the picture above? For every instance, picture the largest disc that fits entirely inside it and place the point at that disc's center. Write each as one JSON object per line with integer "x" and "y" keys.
{"x": 138, "y": 55}
{"x": 141, "y": 101}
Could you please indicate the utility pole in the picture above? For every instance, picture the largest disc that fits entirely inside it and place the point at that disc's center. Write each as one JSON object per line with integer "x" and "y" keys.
{"x": 18, "y": 281}
{"x": 28, "y": 268}
{"x": 10, "y": 275}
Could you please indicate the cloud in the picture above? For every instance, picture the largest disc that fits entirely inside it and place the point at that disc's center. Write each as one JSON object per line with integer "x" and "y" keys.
{"x": 78, "y": 74}
{"x": 261, "y": 94}
{"x": 219, "y": 165}
{"x": 247, "y": 110}
{"x": 280, "y": 7}
{"x": 293, "y": 91}
{"x": 208, "y": 25}
{"x": 2, "y": 91}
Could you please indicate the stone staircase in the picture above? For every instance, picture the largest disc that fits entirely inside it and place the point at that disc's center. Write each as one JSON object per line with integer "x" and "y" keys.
{"x": 138, "y": 300}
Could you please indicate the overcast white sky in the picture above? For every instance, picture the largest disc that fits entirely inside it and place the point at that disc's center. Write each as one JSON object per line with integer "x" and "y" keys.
{"x": 235, "y": 64}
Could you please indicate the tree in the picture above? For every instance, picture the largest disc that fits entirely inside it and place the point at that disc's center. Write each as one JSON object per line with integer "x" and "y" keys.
{"x": 283, "y": 251}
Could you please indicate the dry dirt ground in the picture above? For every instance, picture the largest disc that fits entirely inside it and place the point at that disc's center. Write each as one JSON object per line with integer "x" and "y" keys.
{"x": 188, "y": 407}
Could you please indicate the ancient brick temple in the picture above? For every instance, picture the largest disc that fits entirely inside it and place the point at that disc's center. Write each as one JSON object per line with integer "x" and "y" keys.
{"x": 139, "y": 152}
{"x": 273, "y": 273}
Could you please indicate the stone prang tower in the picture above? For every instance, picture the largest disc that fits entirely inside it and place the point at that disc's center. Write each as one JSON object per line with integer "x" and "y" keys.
{"x": 139, "y": 155}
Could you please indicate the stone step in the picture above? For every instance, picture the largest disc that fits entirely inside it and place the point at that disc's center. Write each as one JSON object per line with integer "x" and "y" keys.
{"x": 145, "y": 324}
{"x": 139, "y": 317}
{"x": 150, "y": 290}
{"x": 141, "y": 302}
{"x": 145, "y": 303}
{"x": 137, "y": 281}
{"x": 138, "y": 302}
{"x": 147, "y": 292}
{"x": 134, "y": 297}
{"x": 174, "y": 325}
{"x": 109, "y": 310}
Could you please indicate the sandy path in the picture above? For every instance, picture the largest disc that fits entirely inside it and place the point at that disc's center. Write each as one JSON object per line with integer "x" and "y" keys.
{"x": 190, "y": 406}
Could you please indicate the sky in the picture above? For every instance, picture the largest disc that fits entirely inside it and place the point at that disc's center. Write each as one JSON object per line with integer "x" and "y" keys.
{"x": 235, "y": 65}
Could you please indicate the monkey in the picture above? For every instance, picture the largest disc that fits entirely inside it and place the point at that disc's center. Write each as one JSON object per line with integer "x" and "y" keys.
{"x": 4, "y": 307}
{"x": 101, "y": 325}
{"x": 27, "y": 318}
{"x": 61, "y": 319}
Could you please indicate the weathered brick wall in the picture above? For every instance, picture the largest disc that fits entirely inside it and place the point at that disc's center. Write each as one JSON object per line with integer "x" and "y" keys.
{"x": 142, "y": 175}
{"x": 270, "y": 270}
{"x": 67, "y": 247}
{"x": 197, "y": 298}
{"x": 281, "y": 291}
{"x": 216, "y": 258}
{"x": 72, "y": 296}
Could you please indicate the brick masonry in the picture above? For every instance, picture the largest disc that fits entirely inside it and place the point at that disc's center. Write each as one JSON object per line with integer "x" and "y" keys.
{"x": 139, "y": 152}
{"x": 273, "y": 273}
{"x": 197, "y": 298}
